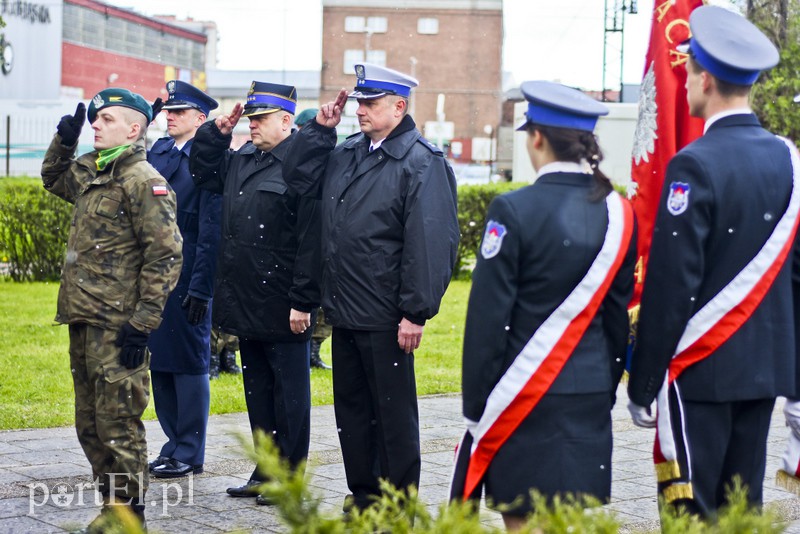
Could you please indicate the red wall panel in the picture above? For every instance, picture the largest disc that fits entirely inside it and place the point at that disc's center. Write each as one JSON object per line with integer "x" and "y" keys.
{"x": 89, "y": 69}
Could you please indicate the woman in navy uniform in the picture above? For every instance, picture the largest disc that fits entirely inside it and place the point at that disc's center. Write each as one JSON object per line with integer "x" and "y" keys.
{"x": 180, "y": 346}
{"x": 547, "y": 321}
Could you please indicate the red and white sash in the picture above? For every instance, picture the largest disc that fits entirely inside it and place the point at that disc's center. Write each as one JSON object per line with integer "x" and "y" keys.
{"x": 722, "y": 316}
{"x": 543, "y": 357}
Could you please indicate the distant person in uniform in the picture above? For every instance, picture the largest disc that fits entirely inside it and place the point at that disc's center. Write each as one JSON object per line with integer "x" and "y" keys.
{"x": 179, "y": 348}
{"x": 716, "y": 334}
{"x": 389, "y": 238}
{"x": 547, "y": 320}
{"x": 223, "y": 354}
{"x": 123, "y": 259}
{"x": 322, "y": 330}
{"x": 268, "y": 272}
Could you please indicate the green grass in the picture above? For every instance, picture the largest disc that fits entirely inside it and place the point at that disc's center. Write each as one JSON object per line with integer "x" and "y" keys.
{"x": 36, "y": 386}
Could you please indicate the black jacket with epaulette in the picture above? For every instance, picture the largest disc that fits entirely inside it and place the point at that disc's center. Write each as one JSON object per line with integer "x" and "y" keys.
{"x": 389, "y": 223}
{"x": 269, "y": 251}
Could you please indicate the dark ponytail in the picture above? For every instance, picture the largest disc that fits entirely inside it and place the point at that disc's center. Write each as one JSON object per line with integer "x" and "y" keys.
{"x": 575, "y": 145}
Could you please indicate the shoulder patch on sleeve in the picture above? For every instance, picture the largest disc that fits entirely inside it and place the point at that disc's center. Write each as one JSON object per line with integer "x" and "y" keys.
{"x": 678, "y": 197}
{"x": 492, "y": 239}
{"x": 160, "y": 190}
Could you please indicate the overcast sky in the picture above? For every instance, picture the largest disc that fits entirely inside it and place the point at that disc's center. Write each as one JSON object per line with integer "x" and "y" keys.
{"x": 558, "y": 40}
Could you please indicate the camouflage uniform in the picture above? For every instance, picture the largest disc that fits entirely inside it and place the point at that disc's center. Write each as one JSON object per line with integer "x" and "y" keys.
{"x": 221, "y": 341}
{"x": 123, "y": 259}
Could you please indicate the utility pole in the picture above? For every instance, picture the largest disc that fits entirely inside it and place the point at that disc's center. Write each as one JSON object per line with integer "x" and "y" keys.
{"x": 614, "y": 39}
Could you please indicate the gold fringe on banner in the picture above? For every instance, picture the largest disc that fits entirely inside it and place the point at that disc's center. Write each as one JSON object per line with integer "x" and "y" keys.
{"x": 678, "y": 491}
{"x": 788, "y": 482}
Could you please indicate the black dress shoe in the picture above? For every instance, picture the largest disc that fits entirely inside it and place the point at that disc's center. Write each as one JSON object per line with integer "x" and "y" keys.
{"x": 158, "y": 461}
{"x": 247, "y": 490}
{"x": 173, "y": 468}
{"x": 263, "y": 500}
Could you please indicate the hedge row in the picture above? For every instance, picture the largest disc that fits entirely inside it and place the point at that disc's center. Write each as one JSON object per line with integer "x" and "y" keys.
{"x": 34, "y": 226}
{"x": 33, "y": 230}
{"x": 473, "y": 203}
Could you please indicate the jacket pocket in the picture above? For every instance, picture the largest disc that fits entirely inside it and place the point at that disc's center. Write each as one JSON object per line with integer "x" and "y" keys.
{"x": 108, "y": 207}
{"x": 272, "y": 187}
{"x": 101, "y": 289}
{"x": 126, "y": 391}
{"x": 377, "y": 264}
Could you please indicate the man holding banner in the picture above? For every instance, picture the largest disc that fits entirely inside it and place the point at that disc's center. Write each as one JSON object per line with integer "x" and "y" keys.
{"x": 716, "y": 341}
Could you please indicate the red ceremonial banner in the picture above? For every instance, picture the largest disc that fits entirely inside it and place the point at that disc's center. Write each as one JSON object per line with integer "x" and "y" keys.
{"x": 664, "y": 125}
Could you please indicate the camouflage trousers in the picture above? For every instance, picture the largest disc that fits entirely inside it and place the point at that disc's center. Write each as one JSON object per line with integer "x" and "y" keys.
{"x": 322, "y": 330}
{"x": 109, "y": 402}
{"x": 220, "y": 341}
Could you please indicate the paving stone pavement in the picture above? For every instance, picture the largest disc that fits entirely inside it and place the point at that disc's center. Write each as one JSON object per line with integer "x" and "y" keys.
{"x": 40, "y": 471}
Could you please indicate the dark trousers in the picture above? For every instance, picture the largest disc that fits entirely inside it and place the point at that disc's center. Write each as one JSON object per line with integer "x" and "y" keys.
{"x": 725, "y": 440}
{"x": 375, "y": 401}
{"x": 182, "y": 403}
{"x": 277, "y": 388}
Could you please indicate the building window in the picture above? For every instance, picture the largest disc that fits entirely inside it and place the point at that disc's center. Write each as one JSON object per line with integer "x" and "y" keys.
{"x": 354, "y": 24}
{"x": 87, "y": 27}
{"x": 377, "y": 57}
{"x": 351, "y": 57}
{"x": 428, "y": 26}
{"x": 377, "y": 24}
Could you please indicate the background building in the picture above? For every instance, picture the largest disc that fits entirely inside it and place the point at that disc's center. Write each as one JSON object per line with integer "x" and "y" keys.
{"x": 106, "y": 46}
{"x": 454, "y": 47}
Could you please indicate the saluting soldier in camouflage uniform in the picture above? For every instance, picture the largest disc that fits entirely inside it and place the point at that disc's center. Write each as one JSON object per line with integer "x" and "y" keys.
{"x": 123, "y": 259}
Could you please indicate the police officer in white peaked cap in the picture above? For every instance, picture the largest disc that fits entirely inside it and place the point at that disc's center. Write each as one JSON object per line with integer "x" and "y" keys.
{"x": 716, "y": 334}
{"x": 389, "y": 238}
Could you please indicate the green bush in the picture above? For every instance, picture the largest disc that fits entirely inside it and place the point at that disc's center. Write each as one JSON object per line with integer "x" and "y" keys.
{"x": 300, "y": 509}
{"x": 33, "y": 230}
{"x": 473, "y": 203}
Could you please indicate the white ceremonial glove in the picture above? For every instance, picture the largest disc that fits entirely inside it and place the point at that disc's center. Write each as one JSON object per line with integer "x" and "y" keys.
{"x": 641, "y": 415}
{"x": 792, "y": 412}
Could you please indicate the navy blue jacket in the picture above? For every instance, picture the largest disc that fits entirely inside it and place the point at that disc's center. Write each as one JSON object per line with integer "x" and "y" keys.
{"x": 177, "y": 346}
{"x": 389, "y": 223}
{"x": 740, "y": 180}
{"x": 554, "y": 232}
{"x": 269, "y": 257}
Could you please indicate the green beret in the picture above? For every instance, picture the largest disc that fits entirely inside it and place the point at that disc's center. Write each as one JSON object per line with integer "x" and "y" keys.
{"x": 115, "y": 96}
{"x": 305, "y": 116}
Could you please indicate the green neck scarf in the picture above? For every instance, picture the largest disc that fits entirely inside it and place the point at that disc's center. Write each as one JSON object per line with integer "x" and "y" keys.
{"x": 104, "y": 157}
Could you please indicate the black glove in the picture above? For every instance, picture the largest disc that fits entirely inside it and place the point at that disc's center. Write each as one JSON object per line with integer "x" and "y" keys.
{"x": 197, "y": 309}
{"x": 134, "y": 346}
{"x": 69, "y": 127}
{"x": 157, "y": 105}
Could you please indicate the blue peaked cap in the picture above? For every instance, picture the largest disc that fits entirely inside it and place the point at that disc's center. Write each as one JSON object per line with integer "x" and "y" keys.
{"x": 184, "y": 95}
{"x": 265, "y": 97}
{"x": 729, "y": 46}
{"x": 553, "y": 104}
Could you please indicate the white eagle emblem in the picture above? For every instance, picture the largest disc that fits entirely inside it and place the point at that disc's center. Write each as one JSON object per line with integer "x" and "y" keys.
{"x": 645, "y": 137}
{"x": 171, "y": 87}
{"x": 98, "y": 101}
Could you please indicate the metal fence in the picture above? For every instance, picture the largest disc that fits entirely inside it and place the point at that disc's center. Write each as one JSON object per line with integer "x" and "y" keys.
{"x": 23, "y": 142}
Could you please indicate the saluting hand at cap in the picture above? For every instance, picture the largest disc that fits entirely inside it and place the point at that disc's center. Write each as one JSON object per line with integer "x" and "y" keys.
{"x": 331, "y": 113}
{"x": 226, "y": 123}
{"x": 70, "y": 126}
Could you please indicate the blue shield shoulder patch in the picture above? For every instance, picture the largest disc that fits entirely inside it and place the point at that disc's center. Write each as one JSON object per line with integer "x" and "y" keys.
{"x": 492, "y": 239}
{"x": 678, "y": 198}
